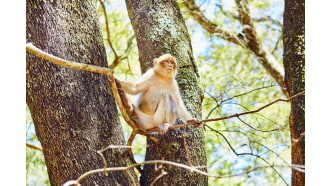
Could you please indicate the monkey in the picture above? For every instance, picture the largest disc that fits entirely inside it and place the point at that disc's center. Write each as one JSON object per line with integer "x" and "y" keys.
{"x": 159, "y": 102}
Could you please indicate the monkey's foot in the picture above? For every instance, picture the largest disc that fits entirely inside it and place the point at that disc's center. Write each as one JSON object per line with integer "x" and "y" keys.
{"x": 163, "y": 128}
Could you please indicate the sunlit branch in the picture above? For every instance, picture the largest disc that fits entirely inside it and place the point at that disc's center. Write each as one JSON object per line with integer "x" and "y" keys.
{"x": 129, "y": 43}
{"x": 192, "y": 169}
{"x": 261, "y": 19}
{"x": 107, "y": 29}
{"x": 158, "y": 177}
{"x": 33, "y": 147}
{"x": 125, "y": 55}
{"x": 248, "y": 40}
{"x": 80, "y": 66}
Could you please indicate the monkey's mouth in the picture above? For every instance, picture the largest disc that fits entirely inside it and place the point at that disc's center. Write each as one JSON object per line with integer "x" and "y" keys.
{"x": 169, "y": 68}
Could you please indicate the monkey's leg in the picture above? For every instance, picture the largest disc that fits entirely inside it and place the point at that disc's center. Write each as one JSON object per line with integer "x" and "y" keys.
{"x": 163, "y": 116}
{"x": 144, "y": 121}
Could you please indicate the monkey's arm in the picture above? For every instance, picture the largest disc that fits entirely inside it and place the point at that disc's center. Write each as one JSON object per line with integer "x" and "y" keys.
{"x": 183, "y": 113}
{"x": 134, "y": 88}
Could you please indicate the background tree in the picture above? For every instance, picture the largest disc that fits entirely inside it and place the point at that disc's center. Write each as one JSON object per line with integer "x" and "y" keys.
{"x": 73, "y": 111}
{"x": 294, "y": 63}
{"x": 160, "y": 29}
{"x": 233, "y": 81}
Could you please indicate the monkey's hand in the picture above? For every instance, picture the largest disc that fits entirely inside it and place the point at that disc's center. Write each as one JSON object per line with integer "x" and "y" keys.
{"x": 163, "y": 128}
{"x": 194, "y": 121}
{"x": 118, "y": 83}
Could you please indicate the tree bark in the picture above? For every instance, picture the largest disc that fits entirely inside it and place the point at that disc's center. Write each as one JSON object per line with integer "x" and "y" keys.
{"x": 73, "y": 111}
{"x": 294, "y": 64}
{"x": 159, "y": 29}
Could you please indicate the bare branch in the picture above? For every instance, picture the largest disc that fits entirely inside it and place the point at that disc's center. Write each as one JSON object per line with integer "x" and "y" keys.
{"x": 254, "y": 111}
{"x": 209, "y": 26}
{"x": 129, "y": 43}
{"x": 158, "y": 177}
{"x": 192, "y": 169}
{"x": 247, "y": 154}
{"x": 228, "y": 117}
{"x": 250, "y": 42}
{"x": 222, "y": 101}
{"x": 80, "y": 66}
{"x": 260, "y": 19}
{"x": 125, "y": 55}
{"x": 107, "y": 29}
{"x": 278, "y": 129}
{"x": 34, "y": 147}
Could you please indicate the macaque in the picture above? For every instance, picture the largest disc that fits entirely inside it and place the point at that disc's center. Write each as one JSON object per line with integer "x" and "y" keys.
{"x": 159, "y": 102}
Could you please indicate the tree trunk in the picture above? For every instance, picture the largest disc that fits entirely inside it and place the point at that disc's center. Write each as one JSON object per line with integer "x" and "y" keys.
{"x": 294, "y": 64}
{"x": 73, "y": 111}
{"x": 159, "y": 29}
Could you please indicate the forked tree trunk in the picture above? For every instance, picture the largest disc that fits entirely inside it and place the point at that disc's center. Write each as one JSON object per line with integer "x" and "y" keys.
{"x": 294, "y": 64}
{"x": 73, "y": 111}
{"x": 159, "y": 29}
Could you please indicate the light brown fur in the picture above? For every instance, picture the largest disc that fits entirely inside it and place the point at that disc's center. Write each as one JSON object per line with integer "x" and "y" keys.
{"x": 159, "y": 102}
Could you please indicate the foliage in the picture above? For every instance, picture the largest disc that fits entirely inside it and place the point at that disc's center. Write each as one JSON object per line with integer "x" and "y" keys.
{"x": 233, "y": 82}
{"x": 36, "y": 171}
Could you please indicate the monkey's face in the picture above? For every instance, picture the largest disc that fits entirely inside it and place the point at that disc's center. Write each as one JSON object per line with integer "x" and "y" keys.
{"x": 168, "y": 65}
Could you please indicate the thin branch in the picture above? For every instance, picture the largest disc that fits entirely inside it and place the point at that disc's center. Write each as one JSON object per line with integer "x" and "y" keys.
{"x": 261, "y": 19}
{"x": 192, "y": 169}
{"x": 158, "y": 177}
{"x": 69, "y": 64}
{"x": 34, "y": 147}
{"x": 249, "y": 154}
{"x": 125, "y": 55}
{"x": 100, "y": 152}
{"x": 107, "y": 29}
{"x": 278, "y": 129}
{"x": 222, "y": 101}
{"x": 129, "y": 43}
{"x": 254, "y": 111}
{"x": 251, "y": 42}
{"x": 227, "y": 117}
{"x": 277, "y": 44}
{"x": 195, "y": 11}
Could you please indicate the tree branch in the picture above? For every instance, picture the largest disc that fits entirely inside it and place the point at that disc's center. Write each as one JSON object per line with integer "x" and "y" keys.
{"x": 196, "y": 13}
{"x": 260, "y": 19}
{"x": 129, "y": 43}
{"x": 228, "y": 117}
{"x": 69, "y": 64}
{"x": 192, "y": 169}
{"x": 251, "y": 42}
{"x": 34, "y": 147}
{"x": 107, "y": 29}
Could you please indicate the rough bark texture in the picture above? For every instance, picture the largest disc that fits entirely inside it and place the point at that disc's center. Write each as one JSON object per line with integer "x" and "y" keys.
{"x": 159, "y": 29}
{"x": 73, "y": 111}
{"x": 294, "y": 64}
